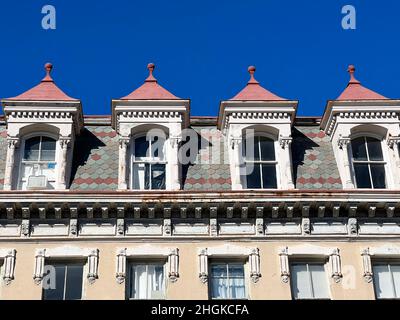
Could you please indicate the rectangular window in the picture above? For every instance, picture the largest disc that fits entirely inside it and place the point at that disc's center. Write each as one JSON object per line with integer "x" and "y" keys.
{"x": 67, "y": 284}
{"x": 146, "y": 281}
{"x": 227, "y": 281}
{"x": 309, "y": 281}
{"x": 387, "y": 280}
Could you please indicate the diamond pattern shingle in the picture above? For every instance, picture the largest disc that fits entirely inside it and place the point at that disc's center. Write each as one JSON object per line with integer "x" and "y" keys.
{"x": 314, "y": 163}
{"x": 95, "y": 164}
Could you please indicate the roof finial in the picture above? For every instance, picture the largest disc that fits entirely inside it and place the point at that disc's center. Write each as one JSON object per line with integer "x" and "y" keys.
{"x": 48, "y": 67}
{"x": 351, "y": 70}
{"x": 252, "y": 70}
{"x": 150, "y": 78}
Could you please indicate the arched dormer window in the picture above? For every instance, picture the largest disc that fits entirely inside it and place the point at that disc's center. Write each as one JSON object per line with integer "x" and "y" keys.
{"x": 148, "y": 162}
{"x": 38, "y": 163}
{"x": 368, "y": 163}
{"x": 260, "y": 162}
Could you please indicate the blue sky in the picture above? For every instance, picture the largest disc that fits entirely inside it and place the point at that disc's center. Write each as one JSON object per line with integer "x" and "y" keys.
{"x": 201, "y": 49}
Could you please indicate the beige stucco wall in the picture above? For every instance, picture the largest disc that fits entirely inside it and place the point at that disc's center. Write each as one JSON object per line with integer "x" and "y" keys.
{"x": 188, "y": 286}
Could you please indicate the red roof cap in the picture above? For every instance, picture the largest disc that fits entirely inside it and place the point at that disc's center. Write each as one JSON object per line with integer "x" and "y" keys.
{"x": 355, "y": 91}
{"x": 150, "y": 90}
{"x": 46, "y": 90}
{"x": 254, "y": 92}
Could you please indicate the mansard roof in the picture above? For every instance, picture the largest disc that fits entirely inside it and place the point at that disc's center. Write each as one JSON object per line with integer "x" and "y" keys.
{"x": 46, "y": 90}
{"x": 254, "y": 91}
{"x": 95, "y": 165}
{"x": 150, "y": 90}
{"x": 356, "y": 91}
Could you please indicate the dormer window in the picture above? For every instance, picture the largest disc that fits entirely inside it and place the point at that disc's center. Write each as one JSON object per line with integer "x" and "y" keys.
{"x": 38, "y": 164}
{"x": 149, "y": 163}
{"x": 260, "y": 162}
{"x": 368, "y": 163}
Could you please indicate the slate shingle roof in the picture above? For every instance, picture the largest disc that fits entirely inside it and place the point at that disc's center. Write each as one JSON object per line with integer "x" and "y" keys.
{"x": 95, "y": 165}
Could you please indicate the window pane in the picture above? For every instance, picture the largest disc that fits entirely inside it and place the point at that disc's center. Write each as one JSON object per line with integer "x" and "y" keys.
{"x": 269, "y": 176}
{"x": 73, "y": 290}
{"x": 158, "y": 176}
{"x": 362, "y": 176}
{"x": 300, "y": 282}
{"x": 383, "y": 282}
{"x": 374, "y": 149}
{"x": 57, "y": 292}
{"x": 155, "y": 279}
{"x": 48, "y": 152}
{"x": 378, "y": 176}
{"x": 396, "y": 278}
{"x": 236, "y": 281}
{"x": 267, "y": 149}
{"x": 251, "y": 148}
{"x": 157, "y": 147}
{"x": 219, "y": 270}
{"x": 359, "y": 150}
{"x": 254, "y": 177}
{"x": 236, "y": 288}
{"x": 139, "y": 282}
{"x": 319, "y": 281}
{"x": 141, "y": 147}
{"x": 236, "y": 271}
{"x": 219, "y": 282}
{"x": 31, "y": 151}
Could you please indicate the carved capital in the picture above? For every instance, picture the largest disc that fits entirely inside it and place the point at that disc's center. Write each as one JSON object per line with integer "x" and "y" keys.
{"x": 392, "y": 141}
{"x": 343, "y": 142}
{"x": 175, "y": 141}
{"x": 285, "y": 142}
{"x": 123, "y": 141}
{"x": 12, "y": 142}
{"x": 64, "y": 142}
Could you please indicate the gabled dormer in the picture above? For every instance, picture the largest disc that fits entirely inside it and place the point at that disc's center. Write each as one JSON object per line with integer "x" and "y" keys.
{"x": 41, "y": 126}
{"x": 364, "y": 128}
{"x": 257, "y": 125}
{"x": 149, "y": 122}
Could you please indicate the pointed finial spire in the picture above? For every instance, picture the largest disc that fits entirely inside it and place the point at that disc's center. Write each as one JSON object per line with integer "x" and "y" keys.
{"x": 150, "y": 78}
{"x": 48, "y": 67}
{"x": 252, "y": 70}
{"x": 351, "y": 70}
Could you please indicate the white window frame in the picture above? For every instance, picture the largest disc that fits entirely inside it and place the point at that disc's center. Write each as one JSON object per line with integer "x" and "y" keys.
{"x": 275, "y": 162}
{"x": 90, "y": 269}
{"x": 22, "y": 152}
{"x": 148, "y": 253}
{"x": 147, "y": 263}
{"x": 250, "y": 257}
{"x": 311, "y": 252}
{"x": 312, "y": 261}
{"x": 226, "y": 262}
{"x": 369, "y": 162}
{"x": 147, "y": 160}
{"x": 388, "y": 263}
{"x": 66, "y": 262}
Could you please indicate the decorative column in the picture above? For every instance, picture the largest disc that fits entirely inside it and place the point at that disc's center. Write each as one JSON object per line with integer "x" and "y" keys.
{"x": 173, "y": 265}
{"x": 393, "y": 143}
{"x": 174, "y": 162}
{"x": 343, "y": 143}
{"x": 39, "y": 266}
{"x": 286, "y": 169}
{"x": 123, "y": 145}
{"x": 64, "y": 143}
{"x": 336, "y": 266}
{"x": 121, "y": 266}
{"x": 203, "y": 266}
{"x": 367, "y": 266}
{"x": 93, "y": 263}
{"x": 236, "y": 179}
{"x": 9, "y": 265}
{"x": 254, "y": 259}
{"x": 284, "y": 262}
{"x": 12, "y": 143}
